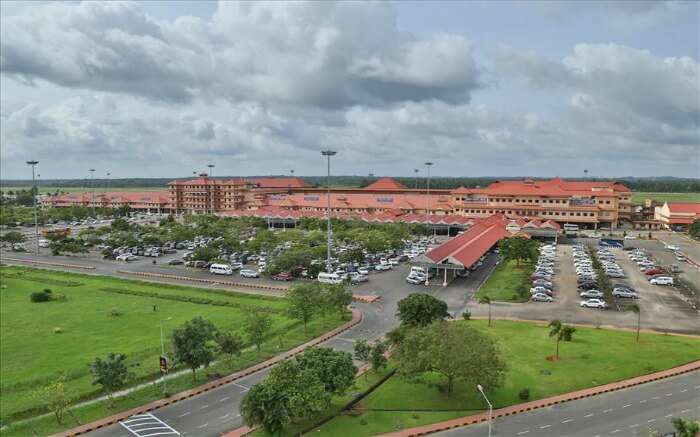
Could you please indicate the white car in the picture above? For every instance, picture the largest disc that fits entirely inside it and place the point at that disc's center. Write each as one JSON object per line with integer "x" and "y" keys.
{"x": 249, "y": 273}
{"x": 356, "y": 277}
{"x": 621, "y": 292}
{"x": 593, "y": 303}
{"x": 541, "y": 297}
{"x": 662, "y": 280}
{"x": 394, "y": 261}
{"x": 363, "y": 271}
{"x": 127, "y": 257}
{"x": 382, "y": 267}
{"x": 672, "y": 247}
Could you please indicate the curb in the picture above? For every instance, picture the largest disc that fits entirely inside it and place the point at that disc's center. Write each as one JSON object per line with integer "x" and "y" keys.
{"x": 46, "y": 263}
{"x": 547, "y": 402}
{"x": 101, "y": 423}
{"x": 202, "y": 280}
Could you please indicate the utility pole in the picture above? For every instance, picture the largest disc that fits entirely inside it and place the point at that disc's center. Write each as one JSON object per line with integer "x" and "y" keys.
{"x": 35, "y": 192}
{"x": 211, "y": 190}
{"x": 328, "y": 154}
{"x": 427, "y": 210}
{"x": 92, "y": 181}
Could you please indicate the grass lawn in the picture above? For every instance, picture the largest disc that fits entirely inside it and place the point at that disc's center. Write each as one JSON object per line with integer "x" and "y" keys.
{"x": 640, "y": 197}
{"x": 594, "y": 357}
{"x": 504, "y": 281}
{"x": 32, "y": 354}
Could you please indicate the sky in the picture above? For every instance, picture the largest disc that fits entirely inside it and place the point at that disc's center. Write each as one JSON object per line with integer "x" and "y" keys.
{"x": 162, "y": 89}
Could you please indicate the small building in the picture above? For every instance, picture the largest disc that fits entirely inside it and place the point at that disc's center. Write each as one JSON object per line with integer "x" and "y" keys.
{"x": 677, "y": 215}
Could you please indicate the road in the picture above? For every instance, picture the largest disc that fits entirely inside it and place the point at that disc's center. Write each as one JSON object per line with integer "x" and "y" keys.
{"x": 217, "y": 411}
{"x": 629, "y": 412}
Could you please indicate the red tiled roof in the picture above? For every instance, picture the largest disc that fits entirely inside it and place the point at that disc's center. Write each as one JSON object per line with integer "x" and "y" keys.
{"x": 386, "y": 184}
{"x": 684, "y": 207}
{"x": 282, "y": 182}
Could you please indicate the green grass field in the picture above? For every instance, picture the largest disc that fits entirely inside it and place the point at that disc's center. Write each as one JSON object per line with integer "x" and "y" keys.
{"x": 594, "y": 357}
{"x": 640, "y": 197}
{"x": 504, "y": 281}
{"x": 51, "y": 190}
{"x": 32, "y": 354}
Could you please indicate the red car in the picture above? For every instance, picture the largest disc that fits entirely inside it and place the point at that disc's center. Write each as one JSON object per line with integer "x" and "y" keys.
{"x": 283, "y": 276}
{"x": 653, "y": 272}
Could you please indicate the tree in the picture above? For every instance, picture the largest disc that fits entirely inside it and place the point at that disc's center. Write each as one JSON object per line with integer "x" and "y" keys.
{"x": 119, "y": 224}
{"x": 70, "y": 245}
{"x": 336, "y": 297}
{"x": 560, "y": 332}
{"x": 518, "y": 248}
{"x": 456, "y": 351}
{"x": 363, "y": 352}
{"x": 685, "y": 427}
{"x": 486, "y": 300}
{"x": 111, "y": 373}
{"x": 334, "y": 368}
{"x": 352, "y": 255}
{"x": 56, "y": 397}
{"x": 13, "y": 237}
{"x": 229, "y": 343}
{"x": 265, "y": 405}
{"x": 377, "y": 357}
{"x": 637, "y": 310}
{"x": 419, "y": 309}
{"x": 205, "y": 253}
{"x": 192, "y": 343}
{"x": 694, "y": 229}
{"x": 304, "y": 301}
{"x": 257, "y": 327}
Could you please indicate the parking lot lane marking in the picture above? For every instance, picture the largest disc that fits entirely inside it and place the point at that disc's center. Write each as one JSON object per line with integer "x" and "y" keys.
{"x": 651, "y": 420}
{"x": 224, "y": 399}
{"x": 668, "y": 415}
{"x": 608, "y": 410}
{"x": 642, "y": 401}
{"x": 567, "y": 420}
{"x": 522, "y": 432}
{"x": 615, "y": 431}
{"x": 697, "y": 387}
{"x": 668, "y": 394}
{"x": 684, "y": 390}
{"x": 187, "y": 413}
{"x": 203, "y": 407}
{"x": 634, "y": 425}
{"x": 684, "y": 411}
{"x": 625, "y": 406}
{"x": 545, "y": 426}
{"x": 203, "y": 426}
{"x": 656, "y": 397}
{"x": 588, "y": 415}
{"x": 225, "y": 416}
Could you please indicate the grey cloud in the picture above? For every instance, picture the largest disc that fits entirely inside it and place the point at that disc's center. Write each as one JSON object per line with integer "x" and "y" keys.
{"x": 330, "y": 55}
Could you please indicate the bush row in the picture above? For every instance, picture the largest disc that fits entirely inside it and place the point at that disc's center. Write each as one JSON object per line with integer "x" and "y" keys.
{"x": 190, "y": 299}
{"x": 42, "y": 280}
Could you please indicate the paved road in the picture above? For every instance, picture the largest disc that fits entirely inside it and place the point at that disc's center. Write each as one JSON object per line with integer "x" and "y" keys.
{"x": 630, "y": 412}
{"x": 216, "y": 411}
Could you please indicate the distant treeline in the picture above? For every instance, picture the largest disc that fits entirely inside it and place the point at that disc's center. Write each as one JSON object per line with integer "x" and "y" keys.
{"x": 657, "y": 185}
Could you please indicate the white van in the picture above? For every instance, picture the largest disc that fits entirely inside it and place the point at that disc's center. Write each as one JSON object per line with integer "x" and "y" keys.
{"x": 44, "y": 243}
{"x": 221, "y": 269}
{"x": 329, "y": 278}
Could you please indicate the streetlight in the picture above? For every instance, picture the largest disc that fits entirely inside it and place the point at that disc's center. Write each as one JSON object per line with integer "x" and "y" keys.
{"x": 35, "y": 191}
{"x": 92, "y": 177}
{"x": 328, "y": 154}
{"x": 211, "y": 191}
{"x": 427, "y": 208}
{"x": 481, "y": 390}
{"x": 415, "y": 170}
{"x": 162, "y": 351}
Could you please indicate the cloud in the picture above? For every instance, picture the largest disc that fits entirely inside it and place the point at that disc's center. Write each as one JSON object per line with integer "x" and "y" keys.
{"x": 330, "y": 55}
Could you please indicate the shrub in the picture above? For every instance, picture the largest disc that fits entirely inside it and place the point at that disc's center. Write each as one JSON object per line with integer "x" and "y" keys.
{"x": 114, "y": 312}
{"x": 57, "y": 330}
{"x": 39, "y": 296}
{"x": 524, "y": 394}
{"x": 363, "y": 421}
{"x": 47, "y": 290}
{"x": 466, "y": 315}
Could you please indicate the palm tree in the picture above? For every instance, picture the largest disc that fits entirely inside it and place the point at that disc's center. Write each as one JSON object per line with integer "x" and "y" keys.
{"x": 486, "y": 300}
{"x": 635, "y": 309}
{"x": 556, "y": 331}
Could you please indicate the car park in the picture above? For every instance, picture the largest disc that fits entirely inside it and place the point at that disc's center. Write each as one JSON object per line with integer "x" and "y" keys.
{"x": 593, "y": 303}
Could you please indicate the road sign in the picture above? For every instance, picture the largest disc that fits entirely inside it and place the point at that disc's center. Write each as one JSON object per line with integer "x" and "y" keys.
{"x": 163, "y": 365}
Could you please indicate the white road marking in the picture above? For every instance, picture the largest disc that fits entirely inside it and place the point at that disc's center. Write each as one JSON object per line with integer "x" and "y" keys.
{"x": 697, "y": 387}
{"x": 225, "y": 416}
{"x": 634, "y": 426}
{"x": 523, "y": 432}
{"x": 668, "y": 394}
{"x": 608, "y": 410}
{"x": 642, "y": 401}
{"x": 651, "y": 420}
{"x": 185, "y": 414}
{"x": 545, "y": 426}
{"x": 615, "y": 431}
{"x": 567, "y": 420}
{"x": 668, "y": 415}
{"x": 241, "y": 386}
{"x": 625, "y": 406}
{"x": 224, "y": 399}
{"x": 588, "y": 415}
{"x": 203, "y": 407}
{"x": 203, "y": 426}
{"x": 684, "y": 390}
{"x": 655, "y": 397}
{"x": 684, "y": 411}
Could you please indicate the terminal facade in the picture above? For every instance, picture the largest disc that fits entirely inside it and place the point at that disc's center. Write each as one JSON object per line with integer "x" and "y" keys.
{"x": 589, "y": 204}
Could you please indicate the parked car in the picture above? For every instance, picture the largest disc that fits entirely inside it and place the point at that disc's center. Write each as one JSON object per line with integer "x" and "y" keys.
{"x": 415, "y": 280}
{"x": 540, "y": 289}
{"x": 622, "y": 292}
{"x": 541, "y": 297}
{"x": 382, "y": 267}
{"x": 175, "y": 262}
{"x": 591, "y": 294}
{"x": 661, "y": 280}
{"x": 594, "y": 303}
{"x": 282, "y": 276}
{"x": 127, "y": 257}
{"x": 652, "y": 272}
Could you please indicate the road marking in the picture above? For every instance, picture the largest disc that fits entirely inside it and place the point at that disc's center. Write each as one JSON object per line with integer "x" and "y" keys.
{"x": 203, "y": 407}
{"x": 625, "y": 406}
{"x": 634, "y": 426}
{"x": 567, "y": 420}
{"x": 225, "y": 416}
{"x": 523, "y": 432}
{"x": 241, "y": 386}
{"x": 545, "y": 426}
{"x": 655, "y": 397}
{"x": 668, "y": 394}
{"x": 697, "y": 387}
{"x": 651, "y": 420}
{"x": 642, "y": 401}
{"x": 684, "y": 411}
{"x": 668, "y": 415}
{"x": 588, "y": 415}
{"x": 615, "y": 432}
{"x": 185, "y": 414}
{"x": 224, "y": 399}
{"x": 684, "y": 390}
{"x": 203, "y": 426}
{"x": 608, "y": 410}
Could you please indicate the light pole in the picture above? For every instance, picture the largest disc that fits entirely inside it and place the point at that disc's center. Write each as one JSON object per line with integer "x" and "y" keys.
{"x": 415, "y": 170}
{"x": 481, "y": 390}
{"x": 162, "y": 350}
{"x": 328, "y": 154}
{"x": 92, "y": 179}
{"x": 35, "y": 192}
{"x": 211, "y": 190}
{"x": 427, "y": 209}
